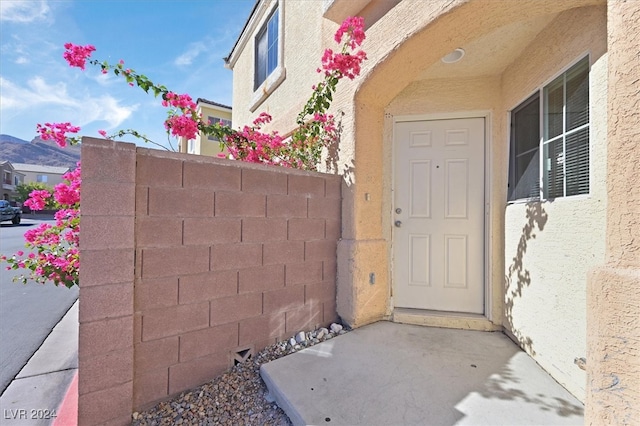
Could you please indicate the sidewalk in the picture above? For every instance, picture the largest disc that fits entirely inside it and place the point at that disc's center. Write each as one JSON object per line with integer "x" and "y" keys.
{"x": 36, "y": 395}
{"x": 396, "y": 374}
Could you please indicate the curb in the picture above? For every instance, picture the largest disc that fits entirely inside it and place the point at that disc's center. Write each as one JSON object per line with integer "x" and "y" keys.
{"x": 68, "y": 409}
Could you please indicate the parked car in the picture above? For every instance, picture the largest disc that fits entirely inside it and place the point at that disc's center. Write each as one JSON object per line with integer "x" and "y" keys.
{"x": 8, "y": 212}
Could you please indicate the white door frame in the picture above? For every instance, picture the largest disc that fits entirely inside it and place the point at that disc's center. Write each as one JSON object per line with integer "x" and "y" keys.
{"x": 488, "y": 231}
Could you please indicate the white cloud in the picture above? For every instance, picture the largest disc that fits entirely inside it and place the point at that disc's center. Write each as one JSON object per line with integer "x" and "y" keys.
{"x": 192, "y": 52}
{"x": 22, "y": 60}
{"x": 24, "y": 11}
{"x": 81, "y": 110}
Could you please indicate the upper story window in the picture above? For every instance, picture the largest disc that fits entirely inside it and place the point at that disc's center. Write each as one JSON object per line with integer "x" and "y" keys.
{"x": 6, "y": 179}
{"x": 42, "y": 178}
{"x": 266, "y": 45}
{"x": 553, "y": 150}
{"x": 212, "y": 120}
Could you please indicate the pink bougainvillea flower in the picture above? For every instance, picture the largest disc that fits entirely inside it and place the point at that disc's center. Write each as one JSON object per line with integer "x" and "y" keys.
{"x": 56, "y": 132}
{"x": 103, "y": 134}
{"x": 353, "y": 26}
{"x": 182, "y": 126}
{"x": 77, "y": 55}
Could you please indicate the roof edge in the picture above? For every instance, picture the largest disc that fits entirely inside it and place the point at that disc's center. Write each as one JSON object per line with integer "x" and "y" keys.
{"x": 259, "y": 10}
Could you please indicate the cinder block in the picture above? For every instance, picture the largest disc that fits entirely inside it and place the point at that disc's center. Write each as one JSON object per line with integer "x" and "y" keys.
{"x": 306, "y": 318}
{"x": 98, "y": 198}
{"x": 105, "y": 370}
{"x": 190, "y": 374}
{"x": 325, "y": 208}
{"x": 166, "y": 262}
{"x": 260, "y": 345}
{"x": 156, "y": 172}
{"x": 211, "y": 176}
{"x": 147, "y": 234}
{"x": 236, "y": 308}
{"x": 329, "y": 270}
{"x": 330, "y": 313}
{"x": 262, "y": 229}
{"x": 307, "y": 186}
{"x": 261, "y": 278}
{"x": 108, "y": 161}
{"x": 106, "y": 301}
{"x": 306, "y": 229}
{"x": 170, "y": 321}
{"x": 99, "y": 407}
{"x": 283, "y": 252}
{"x": 286, "y": 206}
{"x": 197, "y": 344}
{"x": 317, "y": 293}
{"x": 302, "y": 273}
{"x": 106, "y": 232}
{"x": 264, "y": 182}
{"x": 142, "y": 200}
{"x": 208, "y": 286}
{"x": 213, "y": 230}
{"x": 333, "y": 229}
{"x": 333, "y": 187}
{"x": 106, "y": 267}
{"x": 156, "y": 293}
{"x": 264, "y": 327}
{"x": 320, "y": 250}
{"x": 235, "y": 256}
{"x": 137, "y": 327}
{"x": 240, "y": 204}
{"x": 149, "y": 387}
{"x": 98, "y": 337}
{"x": 156, "y": 354}
{"x": 286, "y": 299}
{"x": 180, "y": 202}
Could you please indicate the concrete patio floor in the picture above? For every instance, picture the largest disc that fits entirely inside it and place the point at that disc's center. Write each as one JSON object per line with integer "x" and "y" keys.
{"x": 396, "y": 374}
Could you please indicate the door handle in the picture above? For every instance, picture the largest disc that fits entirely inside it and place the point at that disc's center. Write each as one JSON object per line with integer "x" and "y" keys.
{"x": 397, "y": 223}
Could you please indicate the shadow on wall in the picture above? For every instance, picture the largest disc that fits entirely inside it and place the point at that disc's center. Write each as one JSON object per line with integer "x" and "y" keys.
{"x": 333, "y": 149}
{"x": 518, "y": 277}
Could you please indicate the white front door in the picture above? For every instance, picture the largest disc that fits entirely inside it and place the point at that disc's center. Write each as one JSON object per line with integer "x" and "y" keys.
{"x": 438, "y": 215}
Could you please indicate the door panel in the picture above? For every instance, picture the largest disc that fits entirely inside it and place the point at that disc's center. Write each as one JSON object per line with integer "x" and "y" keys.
{"x": 438, "y": 240}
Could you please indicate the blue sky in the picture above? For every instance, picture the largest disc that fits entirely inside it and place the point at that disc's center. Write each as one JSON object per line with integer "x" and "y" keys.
{"x": 178, "y": 43}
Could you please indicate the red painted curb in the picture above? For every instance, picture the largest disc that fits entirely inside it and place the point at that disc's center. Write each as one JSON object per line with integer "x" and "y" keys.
{"x": 67, "y": 414}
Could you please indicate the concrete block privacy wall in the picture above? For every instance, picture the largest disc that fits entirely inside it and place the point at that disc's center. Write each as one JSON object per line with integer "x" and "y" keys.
{"x": 191, "y": 263}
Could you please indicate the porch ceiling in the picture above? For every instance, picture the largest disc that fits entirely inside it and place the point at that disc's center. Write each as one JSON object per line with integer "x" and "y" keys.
{"x": 491, "y": 53}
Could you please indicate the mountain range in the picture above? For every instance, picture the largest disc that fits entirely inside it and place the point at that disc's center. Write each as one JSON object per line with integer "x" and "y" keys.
{"x": 38, "y": 151}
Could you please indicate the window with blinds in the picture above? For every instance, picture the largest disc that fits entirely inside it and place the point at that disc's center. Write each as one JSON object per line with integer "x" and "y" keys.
{"x": 266, "y": 50}
{"x": 562, "y": 136}
{"x": 566, "y": 133}
{"x": 524, "y": 164}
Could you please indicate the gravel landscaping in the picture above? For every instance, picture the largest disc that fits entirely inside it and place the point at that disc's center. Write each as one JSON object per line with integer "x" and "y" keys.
{"x": 238, "y": 397}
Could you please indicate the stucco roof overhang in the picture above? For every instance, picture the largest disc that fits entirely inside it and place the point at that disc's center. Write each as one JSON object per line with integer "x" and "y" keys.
{"x": 492, "y": 33}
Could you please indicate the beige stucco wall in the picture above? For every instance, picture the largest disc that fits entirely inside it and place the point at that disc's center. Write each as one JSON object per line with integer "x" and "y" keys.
{"x": 613, "y": 299}
{"x": 302, "y": 49}
{"x": 550, "y": 246}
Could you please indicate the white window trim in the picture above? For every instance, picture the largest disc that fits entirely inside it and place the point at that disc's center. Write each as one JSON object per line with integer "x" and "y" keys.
{"x": 278, "y": 75}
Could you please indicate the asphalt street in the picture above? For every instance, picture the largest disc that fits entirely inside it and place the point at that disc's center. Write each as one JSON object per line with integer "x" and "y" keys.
{"x": 28, "y": 312}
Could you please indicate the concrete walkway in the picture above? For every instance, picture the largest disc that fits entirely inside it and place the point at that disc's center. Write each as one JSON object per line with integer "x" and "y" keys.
{"x": 395, "y": 374}
{"x": 36, "y": 394}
